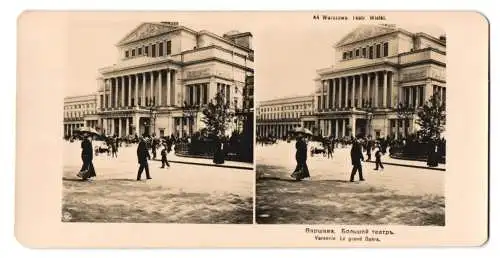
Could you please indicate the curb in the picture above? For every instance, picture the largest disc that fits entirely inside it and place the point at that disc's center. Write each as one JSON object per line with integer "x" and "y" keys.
{"x": 206, "y": 164}
{"x": 410, "y": 166}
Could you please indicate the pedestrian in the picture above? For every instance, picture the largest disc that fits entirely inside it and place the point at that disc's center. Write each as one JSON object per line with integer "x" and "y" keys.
{"x": 301, "y": 170}
{"x": 142, "y": 157}
{"x": 114, "y": 148}
{"x": 219, "y": 150}
{"x": 378, "y": 158}
{"x": 330, "y": 149}
{"x": 356, "y": 158}
{"x": 369, "y": 150}
{"x": 164, "y": 160}
{"x": 87, "y": 172}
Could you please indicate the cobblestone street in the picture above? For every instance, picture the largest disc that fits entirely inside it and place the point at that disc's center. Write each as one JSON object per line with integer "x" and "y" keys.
{"x": 183, "y": 193}
{"x": 396, "y": 195}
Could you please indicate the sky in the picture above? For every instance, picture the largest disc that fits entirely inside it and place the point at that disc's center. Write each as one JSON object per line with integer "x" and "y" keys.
{"x": 289, "y": 47}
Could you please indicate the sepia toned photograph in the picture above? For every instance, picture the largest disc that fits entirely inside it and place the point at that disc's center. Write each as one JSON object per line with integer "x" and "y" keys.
{"x": 158, "y": 123}
{"x": 340, "y": 132}
{"x": 358, "y": 134}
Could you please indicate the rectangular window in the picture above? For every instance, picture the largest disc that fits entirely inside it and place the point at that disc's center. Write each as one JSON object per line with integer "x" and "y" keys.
{"x": 133, "y": 52}
{"x": 160, "y": 49}
{"x": 370, "y": 54}
{"x": 350, "y": 54}
{"x": 126, "y": 54}
{"x": 378, "y": 51}
{"x": 153, "y": 50}
{"x": 146, "y": 50}
{"x": 357, "y": 52}
{"x": 344, "y": 55}
{"x": 386, "y": 49}
{"x": 364, "y": 52}
{"x": 139, "y": 51}
{"x": 169, "y": 47}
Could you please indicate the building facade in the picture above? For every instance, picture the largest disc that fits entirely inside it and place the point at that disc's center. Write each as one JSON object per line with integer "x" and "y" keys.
{"x": 377, "y": 70}
{"x": 165, "y": 74}
{"x": 279, "y": 116}
{"x": 79, "y": 111}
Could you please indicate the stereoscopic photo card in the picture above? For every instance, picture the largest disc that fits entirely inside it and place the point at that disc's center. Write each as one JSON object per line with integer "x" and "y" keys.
{"x": 252, "y": 129}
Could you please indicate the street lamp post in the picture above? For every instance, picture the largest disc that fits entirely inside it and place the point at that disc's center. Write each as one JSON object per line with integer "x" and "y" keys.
{"x": 152, "y": 116}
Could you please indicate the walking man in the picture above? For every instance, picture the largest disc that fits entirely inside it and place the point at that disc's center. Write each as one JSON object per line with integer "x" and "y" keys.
{"x": 142, "y": 157}
{"x": 164, "y": 160}
{"x": 378, "y": 159}
{"x": 356, "y": 158}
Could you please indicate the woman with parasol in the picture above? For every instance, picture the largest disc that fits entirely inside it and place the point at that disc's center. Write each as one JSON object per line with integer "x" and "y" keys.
{"x": 301, "y": 170}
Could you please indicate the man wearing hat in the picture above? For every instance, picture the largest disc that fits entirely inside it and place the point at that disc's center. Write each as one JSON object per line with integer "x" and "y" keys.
{"x": 356, "y": 158}
{"x": 142, "y": 157}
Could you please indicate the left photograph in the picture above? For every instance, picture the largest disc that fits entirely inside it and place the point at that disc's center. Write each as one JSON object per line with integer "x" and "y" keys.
{"x": 158, "y": 122}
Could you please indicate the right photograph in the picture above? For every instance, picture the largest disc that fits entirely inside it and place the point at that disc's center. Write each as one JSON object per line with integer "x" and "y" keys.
{"x": 351, "y": 126}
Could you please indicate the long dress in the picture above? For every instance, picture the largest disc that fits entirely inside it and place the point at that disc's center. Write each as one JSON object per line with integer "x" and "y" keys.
{"x": 87, "y": 157}
{"x": 301, "y": 170}
{"x": 219, "y": 152}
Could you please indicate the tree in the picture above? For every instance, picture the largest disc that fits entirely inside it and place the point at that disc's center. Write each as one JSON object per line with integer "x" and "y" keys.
{"x": 217, "y": 115}
{"x": 432, "y": 119}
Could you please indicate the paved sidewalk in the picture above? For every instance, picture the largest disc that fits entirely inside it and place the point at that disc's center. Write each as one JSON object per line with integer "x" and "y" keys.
{"x": 204, "y": 162}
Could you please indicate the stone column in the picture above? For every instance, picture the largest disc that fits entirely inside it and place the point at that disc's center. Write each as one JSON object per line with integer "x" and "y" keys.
{"x": 120, "y": 127}
{"x": 353, "y": 127}
{"x": 143, "y": 98}
{"x": 127, "y": 126}
{"x": 328, "y": 92}
{"x": 343, "y": 127}
{"x": 129, "y": 95}
{"x": 361, "y": 90}
{"x": 376, "y": 89}
{"x": 384, "y": 99}
{"x": 400, "y": 95}
{"x": 334, "y": 101}
{"x": 368, "y": 91}
{"x": 152, "y": 87}
{"x": 136, "y": 91}
{"x": 168, "y": 100}
{"x": 410, "y": 91}
{"x": 136, "y": 124}
{"x": 353, "y": 92}
{"x": 340, "y": 92}
{"x": 122, "y": 104}
{"x": 113, "y": 130}
{"x": 116, "y": 92}
{"x": 336, "y": 128}
{"x": 346, "y": 97}
{"x": 160, "y": 88}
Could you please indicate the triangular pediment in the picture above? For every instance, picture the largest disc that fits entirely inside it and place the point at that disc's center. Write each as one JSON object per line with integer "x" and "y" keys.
{"x": 146, "y": 30}
{"x": 364, "y": 32}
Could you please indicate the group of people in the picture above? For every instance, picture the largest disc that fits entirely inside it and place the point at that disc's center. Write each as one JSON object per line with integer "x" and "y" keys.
{"x": 358, "y": 144}
{"x": 87, "y": 171}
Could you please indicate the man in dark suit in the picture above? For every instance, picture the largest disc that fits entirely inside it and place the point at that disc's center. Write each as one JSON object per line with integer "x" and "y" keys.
{"x": 356, "y": 158}
{"x": 142, "y": 157}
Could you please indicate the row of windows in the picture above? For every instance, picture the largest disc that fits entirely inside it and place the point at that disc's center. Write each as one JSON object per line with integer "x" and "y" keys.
{"x": 74, "y": 114}
{"x": 289, "y": 107}
{"x": 371, "y": 52}
{"x": 284, "y": 115}
{"x": 78, "y": 106}
{"x": 152, "y": 50}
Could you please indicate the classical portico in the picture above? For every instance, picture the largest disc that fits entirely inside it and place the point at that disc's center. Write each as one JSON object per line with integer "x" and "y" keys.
{"x": 376, "y": 72}
{"x": 166, "y": 74}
